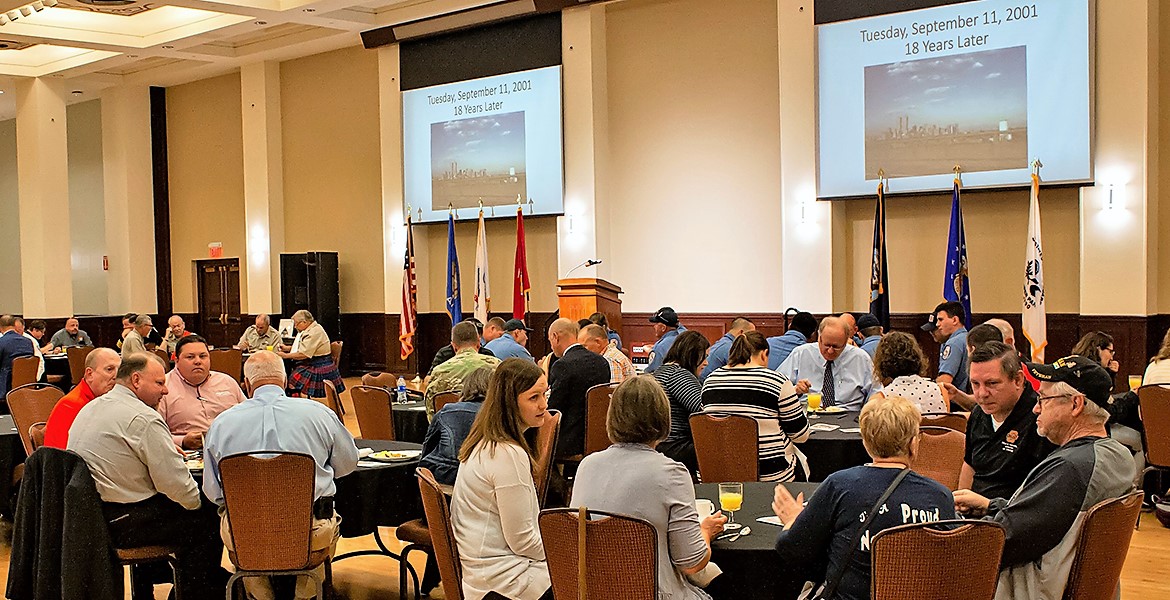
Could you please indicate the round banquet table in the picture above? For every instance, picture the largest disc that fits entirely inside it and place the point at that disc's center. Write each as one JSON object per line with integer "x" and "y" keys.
{"x": 750, "y": 563}
{"x": 410, "y": 421}
{"x": 58, "y": 364}
{"x": 11, "y": 455}
{"x": 378, "y": 494}
{"x": 832, "y": 451}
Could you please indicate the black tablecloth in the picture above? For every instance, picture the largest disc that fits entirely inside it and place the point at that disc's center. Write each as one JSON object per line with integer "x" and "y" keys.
{"x": 385, "y": 495}
{"x": 750, "y": 563}
{"x": 410, "y": 422}
{"x": 11, "y": 455}
{"x": 831, "y": 451}
{"x": 58, "y": 364}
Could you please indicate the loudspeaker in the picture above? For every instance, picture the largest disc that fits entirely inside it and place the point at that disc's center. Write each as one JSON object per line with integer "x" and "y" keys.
{"x": 308, "y": 281}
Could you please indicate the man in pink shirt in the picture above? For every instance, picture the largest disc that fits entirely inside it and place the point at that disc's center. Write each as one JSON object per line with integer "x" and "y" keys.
{"x": 195, "y": 393}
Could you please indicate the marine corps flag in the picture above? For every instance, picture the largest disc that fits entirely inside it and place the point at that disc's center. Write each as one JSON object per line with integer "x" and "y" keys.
{"x": 408, "y": 319}
{"x": 454, "y": 303}
{"x": 1034, "y": 317}
{"x": 520, "y": 272}
{"x": 956, "y": 284}
{"x": 879, "y": 279}
{"x": 483, "y": 294}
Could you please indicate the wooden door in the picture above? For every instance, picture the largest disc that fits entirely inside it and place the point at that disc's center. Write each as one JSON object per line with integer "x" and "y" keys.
{"x": 219, "y": 300}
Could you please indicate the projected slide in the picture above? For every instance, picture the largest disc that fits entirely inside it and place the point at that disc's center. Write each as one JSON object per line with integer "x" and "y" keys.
{"x": 489, "y": 140}
{"x": 987, "y": 86}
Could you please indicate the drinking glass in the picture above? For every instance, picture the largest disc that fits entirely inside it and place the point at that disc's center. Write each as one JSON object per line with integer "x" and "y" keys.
{"x": 1135, "y": 382}
{"x": 814, "y": 401}
{"x": 730, "y": 500}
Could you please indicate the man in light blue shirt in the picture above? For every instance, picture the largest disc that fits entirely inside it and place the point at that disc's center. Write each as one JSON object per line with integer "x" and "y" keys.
{"x": 843, "y": 374}
{"x": 801, "y": 328}
{"x": 871, "y": 333}
{"x": 273, "y": 422}
{"x": 511, "y": 344}
{"x": 945, "y": 325}
{"x": 666, "y": 327}
{"x": 717, "y": 355}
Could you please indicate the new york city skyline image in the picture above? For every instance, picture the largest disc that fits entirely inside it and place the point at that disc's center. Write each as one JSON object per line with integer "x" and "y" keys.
{"x": 480, "y": 158}
{"x": 925, "y": 116}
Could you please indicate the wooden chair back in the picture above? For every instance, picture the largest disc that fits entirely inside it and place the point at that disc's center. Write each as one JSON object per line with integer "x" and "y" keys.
{"x": 269, "y": 505}
{"x": 726, "y": 446}
{"x": 77, "y": 356}
{"x": 24, "y": 370}
{"x": 335, "y": 352}
{"x": 382, "y": 380}
{"x": 956, "y": 421}
{"x": 31, "y": 403}
{"x": 165, "y": 356}
{"x": 909, "y": 559}
{"x": 332, "y": 399}
{"x": 1154, "y": 401}
{"x": 446, "y": 398}
{"x": 438, "y": 515}
{"x": 594, "y": 555}
{"x": 546, "y": 445}
{"x": 36, "y": 434}
{"x": 375, "y": 417}
{"x": 1102, "y": 547}
{"x": 940, "y": 455}
{"x": 596, "y": 407}
{"x": 229, "y": 361}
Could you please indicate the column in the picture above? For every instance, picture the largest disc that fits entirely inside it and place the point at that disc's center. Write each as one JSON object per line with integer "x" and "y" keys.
{"x": 393, "y": 215}
{"x": 43, "y": 189}
{"x": 263, "y": 187}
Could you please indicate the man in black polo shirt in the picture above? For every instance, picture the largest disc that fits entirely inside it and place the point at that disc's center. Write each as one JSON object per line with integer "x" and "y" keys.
{"x": 1002, "y": 443}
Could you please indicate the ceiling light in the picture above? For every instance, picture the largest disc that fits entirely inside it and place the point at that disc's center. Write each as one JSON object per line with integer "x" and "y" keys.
{"x": 261, "y": 22}
{"x": 13, "y": 15}
{"x": 38, "y": 6}
{"x": 25, "y": 10}
{"x": 168, "y": 47}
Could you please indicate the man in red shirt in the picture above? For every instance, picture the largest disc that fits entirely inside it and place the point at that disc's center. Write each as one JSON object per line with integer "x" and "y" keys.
{"x": 101, "y": 367}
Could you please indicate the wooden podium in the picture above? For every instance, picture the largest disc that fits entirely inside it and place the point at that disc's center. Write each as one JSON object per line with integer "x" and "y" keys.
{"x": 578, "y": 298}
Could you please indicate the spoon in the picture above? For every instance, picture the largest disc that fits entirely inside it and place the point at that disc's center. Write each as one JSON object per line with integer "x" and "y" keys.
{"x": 740, "y": 533}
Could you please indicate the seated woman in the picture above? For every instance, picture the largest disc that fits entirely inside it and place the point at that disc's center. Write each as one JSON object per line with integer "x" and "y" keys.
{"x": 1098, "y": 346}
{"x": 898, "y": 362}
{"x": 1125, "y": 423}
{"x": 314, "y": 360}
{"x": 631, "y": 479}
{"x": 817, "y": 537}
{"x": 679, "y": 378}
{"x": 1158, "y": 373}
{"x": 450, "y": 427}
{"x": 746, "y": 386}
{"x": 494, "y": 508}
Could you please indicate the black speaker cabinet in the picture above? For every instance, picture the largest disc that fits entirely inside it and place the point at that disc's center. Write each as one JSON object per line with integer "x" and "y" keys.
{"x": 308, "y": 281}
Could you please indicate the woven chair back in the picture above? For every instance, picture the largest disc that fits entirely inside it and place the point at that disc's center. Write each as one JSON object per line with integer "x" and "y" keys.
{"x": 375, "y": 418}
{"x": 77, "y": 356}
{"x": 597, "y": 407}
{"x": 1102, "y": 547}
{"x": 594, "y": 555}
{"x": 31, "y": 403}
{"x": 164, "y": 355}
{"x": 1154, "y": 401}
{"x": 228, "y": 361}
{"x": 546, "y": 444}
{"x": 445, "y": 398}
{"x": 335, "y": 352}
{"x": 379, "y": 379}
{"x": 910, "y": 559}
{"x": 36, "y": 434}
{"x": 940, "y": 455}
{"x": 269, "y": 500}
{"x": 438, "y": 515}
{"x": 727, "y": 447}
{"x": 332, "y": 400}
{"x": 24, "y": 370}
{"x": 956, "y": 421}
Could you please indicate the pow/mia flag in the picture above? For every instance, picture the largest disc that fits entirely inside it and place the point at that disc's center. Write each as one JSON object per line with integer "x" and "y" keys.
{"x": 1034, "y": 320}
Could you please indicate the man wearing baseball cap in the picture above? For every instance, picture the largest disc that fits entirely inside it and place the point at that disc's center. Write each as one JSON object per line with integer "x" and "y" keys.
{"x": 511, "y": 344}
{"x": 871, "y": 331}
{"x": 666, "y": 327}
{"x": 1043, "y": 517}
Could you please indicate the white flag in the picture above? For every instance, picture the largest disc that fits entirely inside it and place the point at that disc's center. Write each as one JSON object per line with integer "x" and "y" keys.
{"x": 1034, "y": 319}
{"x": 483, "y": 294}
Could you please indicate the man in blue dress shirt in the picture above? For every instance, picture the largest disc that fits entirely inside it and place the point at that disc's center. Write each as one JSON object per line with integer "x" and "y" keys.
{"x": 666, "y": 327}
{"x": 273, "y": 422}
{"x": 717, "y": 356}
{"x": 871, "y": 333}
{"x": 800, "y": 330}
{"x": 12, "y": 346}
{"x": 511, "y": 344}
{"x": 842, "y": 373}
{"x": 945, "y": 325}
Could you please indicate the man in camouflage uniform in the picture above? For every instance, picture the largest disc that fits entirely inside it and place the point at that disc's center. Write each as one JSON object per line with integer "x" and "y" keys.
{"x": 448, "y": 377}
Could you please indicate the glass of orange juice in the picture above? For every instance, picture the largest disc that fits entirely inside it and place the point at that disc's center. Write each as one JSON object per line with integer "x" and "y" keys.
{"x": 814, "y": 401}
{"x": 730, "y": 500}
{"x": 1135, "y": 382}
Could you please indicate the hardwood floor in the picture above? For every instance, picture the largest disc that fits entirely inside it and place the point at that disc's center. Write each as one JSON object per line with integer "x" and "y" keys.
{"x": 1146, "y": 574}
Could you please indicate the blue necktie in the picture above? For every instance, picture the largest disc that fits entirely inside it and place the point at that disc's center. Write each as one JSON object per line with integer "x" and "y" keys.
{"x": 828, "y": 392}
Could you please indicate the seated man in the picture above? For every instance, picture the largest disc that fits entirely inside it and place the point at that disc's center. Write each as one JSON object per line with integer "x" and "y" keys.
{"x": 36, "y": 329}
{"x": 135, "y": 340}
{"x": 717, "y": 355}
{"x": 176, "y": 330}
{"x": 196, "y": 394}
{"x": 511, "y": 344}
{"x": 12, "y": 346}
{"x": 259, "y": 336}
{"x": 843, "y": 374}
{"x": 594, "y": 338}
{"x": 148, "y": 495}
{"x": 667, "y": 328}
{"x": 101, "y": 367}
{"x": 800, "y": 331}
{"x": 273, "y": 422}
{"x": 448, "y": 377}
{"x": 977, "y": 337}
{"x": 18, "y": 325}
{"x": 871, "y": 331}
{"x": 486, "y": 334}
{"x": 1043, "y": 516}
{"x": 569, "y": 379}
{"x": 70, "y": 335}
{"x": 451, "y": 425}
{"x": 1003, "y": 445}
{"x": 598, "y": 318}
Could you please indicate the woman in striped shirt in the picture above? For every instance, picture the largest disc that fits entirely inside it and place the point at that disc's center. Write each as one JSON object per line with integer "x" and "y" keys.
{"x": 679, "y": 377}
{"x": 746, "y": 386}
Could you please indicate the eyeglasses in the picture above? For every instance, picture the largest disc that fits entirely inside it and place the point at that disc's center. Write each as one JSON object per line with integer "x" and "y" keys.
{"x": 1041, "y": 399}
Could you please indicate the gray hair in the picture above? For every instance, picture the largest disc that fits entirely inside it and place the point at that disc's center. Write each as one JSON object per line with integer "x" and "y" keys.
{"x": 142, "y": 320}
{"x": 1005, "y": 328}
{"x": 302, "y": 315}
{"x": 263, "y": 365}
{"x": 837, "y": 322}
{"x": 262, "y": 317}
{"x": 1093, "y": 411}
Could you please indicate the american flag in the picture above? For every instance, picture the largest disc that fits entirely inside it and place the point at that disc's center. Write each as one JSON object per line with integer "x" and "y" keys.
{"x": 408, "y": 320}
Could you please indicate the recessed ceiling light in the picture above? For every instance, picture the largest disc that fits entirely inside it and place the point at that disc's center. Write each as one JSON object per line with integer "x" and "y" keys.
{"x": 261, "y": 22}
{"x": 77, "y": 92}
{"x": 310, "y": 10}
{"x": 168, "y": 47}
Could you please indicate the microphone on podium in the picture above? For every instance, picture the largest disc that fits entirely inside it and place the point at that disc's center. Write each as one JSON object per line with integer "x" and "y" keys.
{"x": 588, "y": 263}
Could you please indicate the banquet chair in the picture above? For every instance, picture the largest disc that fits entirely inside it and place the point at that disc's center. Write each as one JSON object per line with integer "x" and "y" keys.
{"x": 229, "y": 361}
{"x": 166, "y": 357}
{"x": 546, "y": 443}
{"x": 908, "y": 559}
{"x": 31, "y": 403}
{"x": 1154, "y": 404}
{"x": 375, "y": 417}
{"x": 36, "y": 434}
{"x": 335, "y": 352}
{"x": 594, "y": 555}
{"x": 597, "y": 406}
{"x": 1102, "y": 547}
{"x": 445, "y": 398}
{"x": 77, "y": 356}
{"x": 142, "y": 555}
{"x": 24, "y": 370}
{"x": 269, "y": 503}
{"x": 382, "y": 380}
{"x": 332, "y": 400}
{"x": 438, "y": 515}
{"x": 940, "y": 455}
{"x": 956, "y": 421}
{"x": 727, "y": 446}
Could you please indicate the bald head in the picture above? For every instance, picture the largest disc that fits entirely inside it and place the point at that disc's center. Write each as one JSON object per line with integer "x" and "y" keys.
{"x": 849, "y": 322}
{"x": 101, "y": 369}
{"x": 562, "y": 334}
{"x": 264, "y": 368}
{"x": 1005, "y": 329}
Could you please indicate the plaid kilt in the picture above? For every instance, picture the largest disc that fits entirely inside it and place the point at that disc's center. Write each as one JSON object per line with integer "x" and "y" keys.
{"x": 309, "y": 377}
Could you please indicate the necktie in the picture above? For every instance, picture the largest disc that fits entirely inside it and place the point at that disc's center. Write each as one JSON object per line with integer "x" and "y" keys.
{"x": 828, "y": 393}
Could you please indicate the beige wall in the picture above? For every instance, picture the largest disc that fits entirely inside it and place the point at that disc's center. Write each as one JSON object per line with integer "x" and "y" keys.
{"x": 1163, "y": 173}
{"x": 332, "y": 194}
{"x": 87, "y": 210}
{"x": 10, "y": 286}
{"x": 205, "y": 158}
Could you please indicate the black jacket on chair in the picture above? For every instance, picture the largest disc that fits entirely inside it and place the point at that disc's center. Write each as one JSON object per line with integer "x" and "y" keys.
{"x": 569, "y": 379}
{"x": 60, "y": 546}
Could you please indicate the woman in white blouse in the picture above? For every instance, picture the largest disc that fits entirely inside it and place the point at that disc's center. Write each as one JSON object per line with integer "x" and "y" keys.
{"x": 898, "y": 362}
{"x": 494, "y": 508}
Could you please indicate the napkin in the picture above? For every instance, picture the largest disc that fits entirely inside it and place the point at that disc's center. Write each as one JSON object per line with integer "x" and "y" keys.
{"x": 771, "y": 521}
{"x": 851, "y": 430}
{"x": 824, "y": 427}
{"x": 371, "y": 463}
{"x": 364, "y": 452}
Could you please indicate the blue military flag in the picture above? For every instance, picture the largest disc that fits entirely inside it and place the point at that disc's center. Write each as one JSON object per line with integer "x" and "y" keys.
{"x": 454, "y": 303}
{"x": 879, "y": 280}
{"x": 956, "y": 284}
